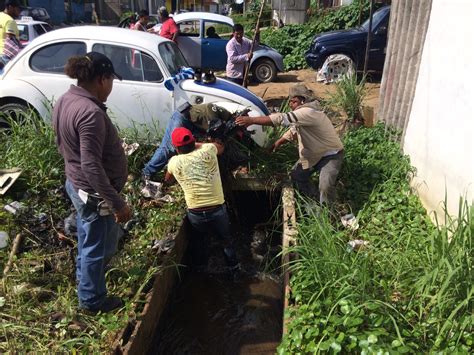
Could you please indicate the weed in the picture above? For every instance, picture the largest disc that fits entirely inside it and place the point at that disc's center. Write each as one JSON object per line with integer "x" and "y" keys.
{"x": 409, "y": 290}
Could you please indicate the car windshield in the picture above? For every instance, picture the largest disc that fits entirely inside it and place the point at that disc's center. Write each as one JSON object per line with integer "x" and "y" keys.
{"x": 376, "y": 19}
{"x": 172, "y": 57}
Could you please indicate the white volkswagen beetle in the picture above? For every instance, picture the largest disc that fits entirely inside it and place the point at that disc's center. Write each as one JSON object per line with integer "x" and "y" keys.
{"x": 35, "y": 78}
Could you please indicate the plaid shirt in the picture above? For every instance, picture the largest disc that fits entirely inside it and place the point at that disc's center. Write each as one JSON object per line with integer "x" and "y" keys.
{"x": 11, "y": 47}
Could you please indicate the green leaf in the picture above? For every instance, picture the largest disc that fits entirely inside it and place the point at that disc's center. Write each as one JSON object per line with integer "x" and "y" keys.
{"x": 396, "y": 343}
{"x": 372, "y": 339}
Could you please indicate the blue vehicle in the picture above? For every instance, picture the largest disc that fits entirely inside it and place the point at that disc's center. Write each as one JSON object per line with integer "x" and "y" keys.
{"x": 203, "y": 38}
{"x": 352, "y": 43}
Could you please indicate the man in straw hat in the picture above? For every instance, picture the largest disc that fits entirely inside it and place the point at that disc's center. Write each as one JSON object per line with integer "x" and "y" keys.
{"x": 320, "y": 148}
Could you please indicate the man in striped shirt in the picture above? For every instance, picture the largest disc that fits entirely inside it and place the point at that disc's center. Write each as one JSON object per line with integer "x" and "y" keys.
{"x": 320, "y": 148}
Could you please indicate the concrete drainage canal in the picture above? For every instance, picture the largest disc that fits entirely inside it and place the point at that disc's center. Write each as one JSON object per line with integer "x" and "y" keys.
{"x": 211, "y": 311}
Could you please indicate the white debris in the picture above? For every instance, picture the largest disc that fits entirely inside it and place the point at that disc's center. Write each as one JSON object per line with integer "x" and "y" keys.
{"x": 130, "y": 148}
{"x": 350, "y": 221}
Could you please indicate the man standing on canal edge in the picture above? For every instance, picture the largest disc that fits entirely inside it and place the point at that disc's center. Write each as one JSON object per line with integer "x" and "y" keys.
{"x": 196, "y": 169}
{"x": 96, "y": 171}
{"x": 320, "y": 148}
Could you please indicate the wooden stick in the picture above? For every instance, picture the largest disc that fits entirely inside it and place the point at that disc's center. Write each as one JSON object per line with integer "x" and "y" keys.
{"x": 13, "y": 252}
{"x": 247, "y": 65}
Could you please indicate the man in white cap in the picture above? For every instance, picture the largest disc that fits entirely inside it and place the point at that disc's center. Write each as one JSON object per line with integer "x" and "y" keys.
{"x": 320, "y": 148}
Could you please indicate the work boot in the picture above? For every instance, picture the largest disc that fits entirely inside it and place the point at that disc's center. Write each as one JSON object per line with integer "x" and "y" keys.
{"x": 110, "y": 303}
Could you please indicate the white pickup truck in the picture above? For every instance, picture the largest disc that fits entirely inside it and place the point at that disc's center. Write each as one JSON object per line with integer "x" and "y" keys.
{"x": 35, "y": 78}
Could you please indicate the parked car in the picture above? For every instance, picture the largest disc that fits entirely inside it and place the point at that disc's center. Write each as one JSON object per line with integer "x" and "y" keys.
{"x": 203, "y": 51}
{"x": 37, "y": 13}
{"x": 352, "y": 43}
{"x": 30, "y": 29}
{"x": 35, "y": 77}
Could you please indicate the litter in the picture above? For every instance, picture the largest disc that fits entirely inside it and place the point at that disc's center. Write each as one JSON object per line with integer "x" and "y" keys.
{"x": 152, "y": 189}
{"x": 334, "y": 68}
{"x": 163, "y": 245}
{"x": 70, "y": 224}
{"x": 350, "y": 221}
{"x": 130, "y": 148}
{"x": 3, "y": 239}
{"x": 357, "y": 244}
{"x": 7, "y": 178}
{"x": 15, "y": 207}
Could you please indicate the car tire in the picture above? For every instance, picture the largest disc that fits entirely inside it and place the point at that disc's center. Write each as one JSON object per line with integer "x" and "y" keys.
{"x": 12, "y": 110}
{"x": 264, "y": 70}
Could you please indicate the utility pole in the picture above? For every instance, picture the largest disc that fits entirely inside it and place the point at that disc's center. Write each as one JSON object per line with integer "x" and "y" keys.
{"x": 369, "y": 38}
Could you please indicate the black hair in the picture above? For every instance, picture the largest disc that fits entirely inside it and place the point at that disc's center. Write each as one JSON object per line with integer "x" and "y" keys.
{"x": 164, "y": 13}
{"x": 81, "y": 67}
{"x": 188, "y": 148}
{"x": 142, "y": 13}
{"x": 238, "y": 27}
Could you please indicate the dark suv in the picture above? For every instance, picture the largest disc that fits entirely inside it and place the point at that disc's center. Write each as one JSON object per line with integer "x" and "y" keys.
{"x": 352, "y": 43}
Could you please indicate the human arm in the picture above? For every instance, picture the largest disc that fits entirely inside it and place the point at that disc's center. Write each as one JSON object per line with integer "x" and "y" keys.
{"x": 174, "y": 30}
{"x": 92, "y": 133}
{"x": 169, "y": 178}
{"x": 248, "y": 121}
{"x": 285, "y": 138}
{"x": 233, "y": 55}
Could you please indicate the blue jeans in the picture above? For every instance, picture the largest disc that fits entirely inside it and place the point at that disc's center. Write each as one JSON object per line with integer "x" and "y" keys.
{"x": 166, "y": 150}
{"x": 217, "y": 221}
{"x": 97, "y": 241}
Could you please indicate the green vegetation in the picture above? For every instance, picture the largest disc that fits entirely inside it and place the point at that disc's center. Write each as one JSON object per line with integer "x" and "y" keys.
{"x": 38, "y": 301}
{"x": 284, "y": 39}
{"x": 409, "y": 290}
{"x": 349, "y": 96}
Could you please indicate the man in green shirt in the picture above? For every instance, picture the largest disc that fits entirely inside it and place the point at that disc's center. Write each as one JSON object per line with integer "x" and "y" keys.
{"x": 8, "y": 25}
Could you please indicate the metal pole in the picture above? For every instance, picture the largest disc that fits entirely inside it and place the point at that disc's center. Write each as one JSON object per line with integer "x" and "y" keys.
{"x": 369, "y": 38}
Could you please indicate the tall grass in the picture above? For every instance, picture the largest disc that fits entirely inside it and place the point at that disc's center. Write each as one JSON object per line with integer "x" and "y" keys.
{"x": 349, "y": 95}
{"x": 410, "y": 290}
{"x": 30, "y": 145}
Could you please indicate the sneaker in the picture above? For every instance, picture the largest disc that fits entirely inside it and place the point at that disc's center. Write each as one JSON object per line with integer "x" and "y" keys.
{"x": 110, "y": 303}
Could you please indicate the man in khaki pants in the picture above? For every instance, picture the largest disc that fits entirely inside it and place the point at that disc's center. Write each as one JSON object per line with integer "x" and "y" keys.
{"x": 320, "y": 148}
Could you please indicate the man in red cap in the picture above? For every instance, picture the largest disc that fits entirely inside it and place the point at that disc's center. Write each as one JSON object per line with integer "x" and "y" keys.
{"x": 197, "y": 171}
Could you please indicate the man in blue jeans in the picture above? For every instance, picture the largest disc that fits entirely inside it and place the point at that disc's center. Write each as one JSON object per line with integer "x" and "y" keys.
{"x": 195, "y": 118}
{"x": 197, "y": 171}
{"x": 96, "y": 171}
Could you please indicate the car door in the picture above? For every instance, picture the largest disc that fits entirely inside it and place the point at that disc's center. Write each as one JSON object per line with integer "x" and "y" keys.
{"x": 140, "y": 98}
{"x": 215, "y": 36}
{"x": 189, "y": 41}
{"x": 378, "y": 44}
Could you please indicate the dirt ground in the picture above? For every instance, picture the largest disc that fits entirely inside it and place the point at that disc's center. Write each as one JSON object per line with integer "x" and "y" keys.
{"x": 279, "y": 88}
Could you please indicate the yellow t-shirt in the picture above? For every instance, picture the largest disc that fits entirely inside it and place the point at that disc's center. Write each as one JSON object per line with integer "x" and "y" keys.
{"x": 198, "y": 175}
{"x": 7, "y": 25}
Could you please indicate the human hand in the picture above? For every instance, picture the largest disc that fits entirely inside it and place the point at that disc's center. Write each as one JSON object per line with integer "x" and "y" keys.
{"x": 244, "y": 121}
{"x": 123, "y": 215}
{"x": 249, "y": 56}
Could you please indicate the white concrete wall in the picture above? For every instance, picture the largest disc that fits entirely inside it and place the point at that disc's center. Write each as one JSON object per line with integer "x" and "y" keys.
{"x": 439, "y": 137}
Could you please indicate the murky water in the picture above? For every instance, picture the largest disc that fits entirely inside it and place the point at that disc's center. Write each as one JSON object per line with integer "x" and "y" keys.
{"x": 211, "y": 313}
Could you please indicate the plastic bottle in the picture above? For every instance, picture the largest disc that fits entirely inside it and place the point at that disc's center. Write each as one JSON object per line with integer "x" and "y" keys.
{"x": 3, "y": 239}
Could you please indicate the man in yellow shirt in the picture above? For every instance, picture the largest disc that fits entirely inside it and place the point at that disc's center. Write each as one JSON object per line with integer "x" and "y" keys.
{"x": 8, "y": 25}
{"x": 196, "y": 169}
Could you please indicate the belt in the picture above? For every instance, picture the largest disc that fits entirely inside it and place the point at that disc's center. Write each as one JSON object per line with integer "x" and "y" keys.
{"x": 206, "y": 208}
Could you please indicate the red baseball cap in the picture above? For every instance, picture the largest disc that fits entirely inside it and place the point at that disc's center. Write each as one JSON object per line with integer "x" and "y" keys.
{"x": 181, "y": 136}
